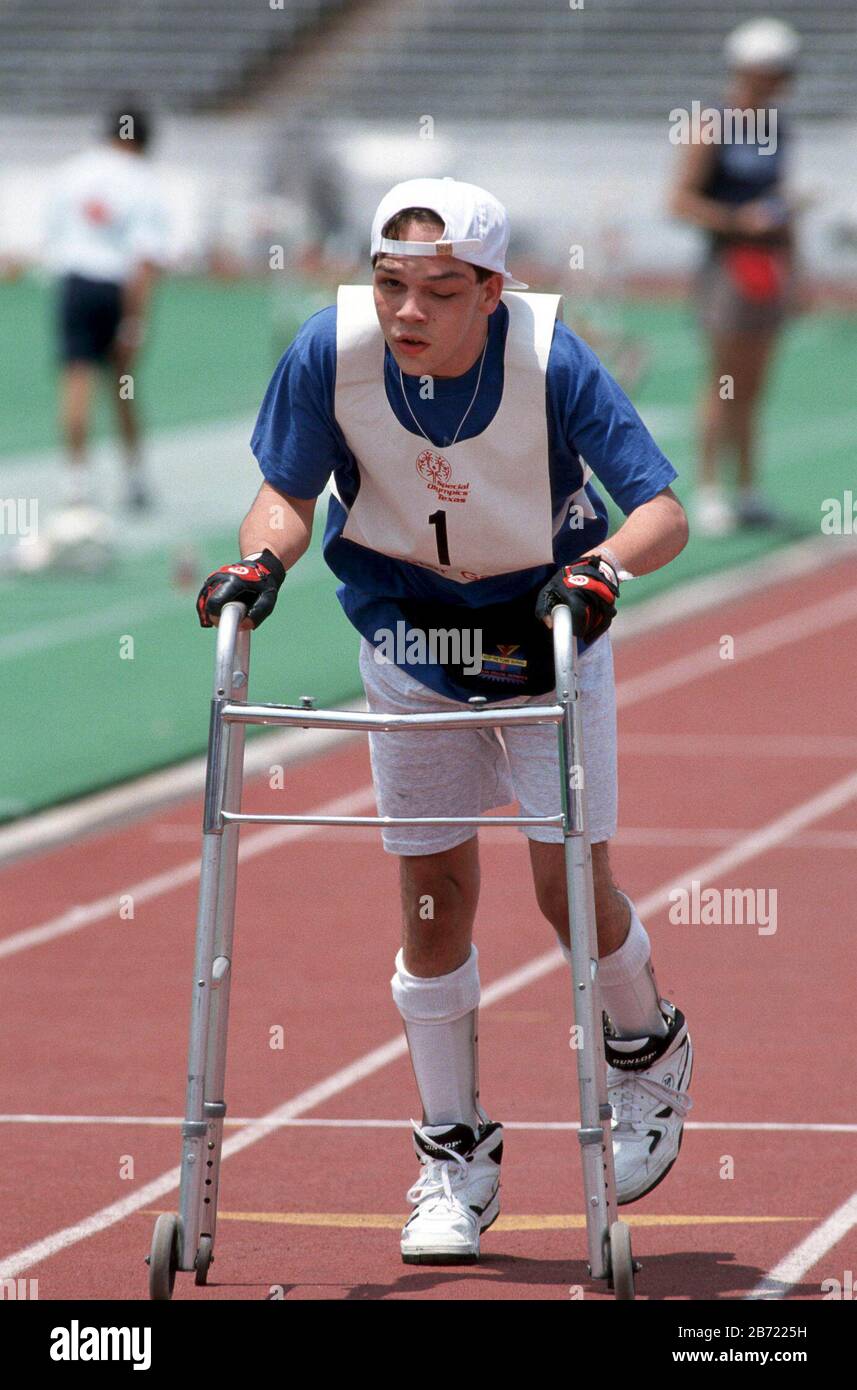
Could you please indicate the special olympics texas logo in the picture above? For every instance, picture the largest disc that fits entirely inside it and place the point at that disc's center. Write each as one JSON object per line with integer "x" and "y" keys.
{"x": 434, "y": 468}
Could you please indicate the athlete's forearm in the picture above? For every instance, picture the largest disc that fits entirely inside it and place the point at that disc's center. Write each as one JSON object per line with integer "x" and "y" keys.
{"x": 706, "y": 213}
{"x": 651, "y": 536}
{"x": 278, "y": 523}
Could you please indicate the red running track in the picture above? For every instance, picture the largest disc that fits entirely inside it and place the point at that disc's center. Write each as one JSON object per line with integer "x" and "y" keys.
{"x": 739, "y": 771}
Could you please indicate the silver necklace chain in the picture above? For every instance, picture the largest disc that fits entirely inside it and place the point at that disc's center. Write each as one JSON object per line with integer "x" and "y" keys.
{"x": 464, "y": 416}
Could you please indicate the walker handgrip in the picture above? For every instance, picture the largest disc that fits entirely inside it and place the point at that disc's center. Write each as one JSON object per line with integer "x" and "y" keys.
{"x": 227, "y": 638}
{"x": 564, "y": 645}
{"x": 577, "y": 608}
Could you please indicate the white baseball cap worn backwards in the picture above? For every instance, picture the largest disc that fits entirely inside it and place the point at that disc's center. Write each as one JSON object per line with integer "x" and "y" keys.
{"x": 475, "y": 224}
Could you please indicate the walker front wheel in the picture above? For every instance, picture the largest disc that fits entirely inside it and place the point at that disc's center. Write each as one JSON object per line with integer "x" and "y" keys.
{"x": 164, "y": 1257}
{"x": 621, "y": 1261}
{"x": 203, "y": 1260}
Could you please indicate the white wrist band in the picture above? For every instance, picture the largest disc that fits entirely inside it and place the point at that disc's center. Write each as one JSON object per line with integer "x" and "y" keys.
{"x": 613, "y": 560}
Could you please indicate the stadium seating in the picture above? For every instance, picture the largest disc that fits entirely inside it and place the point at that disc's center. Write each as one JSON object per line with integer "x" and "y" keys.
{"x": 454, "y": 59}
{"x": 179, "y": 54}
{"x": 504, "y": 59}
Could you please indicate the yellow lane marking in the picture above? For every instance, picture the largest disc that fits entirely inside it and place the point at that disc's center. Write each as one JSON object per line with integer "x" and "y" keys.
{"x": 385, "y": 1221}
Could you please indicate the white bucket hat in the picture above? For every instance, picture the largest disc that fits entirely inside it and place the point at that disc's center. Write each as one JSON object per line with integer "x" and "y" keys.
{"x": 763, "y": 43}
{"x": 475, "y": 224}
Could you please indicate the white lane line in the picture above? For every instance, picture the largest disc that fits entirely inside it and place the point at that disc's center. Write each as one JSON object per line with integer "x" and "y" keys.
{"x": 130, "y": 801}
{"x": 749, "y": 846}
{"x": 64, "y": 630}
{"x": 790, "y": 1270}
{"x": 790, "y": 627}
{"x": 120, "y": 618}
{"x": 824, "y": 803}
{"x": 174, "y": 1121}
{"x": 143, "y": 794}
{"x": 339, "y": 1081}
{"x": 84, "y": 915}
{"x": 697, "y": 597}
{"x": 22, "y": 1260}
{"x": 754, "y": 642}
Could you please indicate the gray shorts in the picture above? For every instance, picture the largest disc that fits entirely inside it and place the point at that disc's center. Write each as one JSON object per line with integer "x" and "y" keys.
{"x": 466, "y": 773}
{"x": 723, "y": 309}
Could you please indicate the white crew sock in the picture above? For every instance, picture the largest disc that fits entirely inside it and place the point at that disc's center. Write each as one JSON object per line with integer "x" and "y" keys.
{"x": 641, "y": 1030}
{"x": 629, "y": 990}
{"x": 77, "y": 485}
{"x": 440, "y": 1017}
{"x": 709, "y": 492}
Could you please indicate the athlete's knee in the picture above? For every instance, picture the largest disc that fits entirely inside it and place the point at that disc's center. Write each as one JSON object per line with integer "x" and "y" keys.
{"x": 552, "y": 899}
{"x": 612, "y": 910}
{"x": 440, "y": 890}
{"x": 548, "y": 862}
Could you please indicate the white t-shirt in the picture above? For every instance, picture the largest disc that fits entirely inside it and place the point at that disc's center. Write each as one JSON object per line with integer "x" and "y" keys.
{"x": 105, "y": 215}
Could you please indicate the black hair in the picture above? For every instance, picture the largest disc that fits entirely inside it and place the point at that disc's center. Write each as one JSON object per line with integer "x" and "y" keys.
{"x": 424, "y": 217}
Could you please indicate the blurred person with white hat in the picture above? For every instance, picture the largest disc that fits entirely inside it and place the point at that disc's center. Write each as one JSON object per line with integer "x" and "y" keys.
{"x": 734, "y": 190}
{"x": 453, "y": 413}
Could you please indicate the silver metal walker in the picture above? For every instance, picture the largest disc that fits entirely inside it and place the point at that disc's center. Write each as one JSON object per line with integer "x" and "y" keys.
{"x": 186, "y": 1241}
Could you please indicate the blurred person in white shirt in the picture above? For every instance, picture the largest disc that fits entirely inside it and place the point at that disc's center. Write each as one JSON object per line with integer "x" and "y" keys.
{"x": 105, "y": 234}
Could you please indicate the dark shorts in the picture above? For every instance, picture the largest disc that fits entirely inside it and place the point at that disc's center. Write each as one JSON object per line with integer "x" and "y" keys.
{"x": 89, "y": 313}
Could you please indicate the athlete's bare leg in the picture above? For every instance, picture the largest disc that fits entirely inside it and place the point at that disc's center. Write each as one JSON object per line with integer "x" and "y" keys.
{"x": 76, "y": 387}
{"x": 612, "y": 915}
{"x": 440, "y": 893}
{"x": 121, "y": 379}
{"x": 447, "y": 886}
{"x": 715, "y": 422}
{"x": 739, "y": 366}
{"x": 752, "y": 363}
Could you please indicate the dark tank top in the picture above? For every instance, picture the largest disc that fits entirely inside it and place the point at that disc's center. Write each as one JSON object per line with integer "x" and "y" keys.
{"x": 742, "y": 172}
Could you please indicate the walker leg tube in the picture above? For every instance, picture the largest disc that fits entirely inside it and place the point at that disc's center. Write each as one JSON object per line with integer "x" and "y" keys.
{"x": 194, "y": 1129}
{"x": 215, "y": 1070}
{"x": 214, "y": 925}
{"x": 599, "y": 1184}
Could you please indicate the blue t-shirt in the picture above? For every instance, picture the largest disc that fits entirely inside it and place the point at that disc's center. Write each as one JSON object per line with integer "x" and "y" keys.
{"x": 299, "y": 444}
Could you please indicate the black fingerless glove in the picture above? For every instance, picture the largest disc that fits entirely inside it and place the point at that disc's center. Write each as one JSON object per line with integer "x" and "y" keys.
{"x": 590, "y": 588}
{"x": 255, "y": 582}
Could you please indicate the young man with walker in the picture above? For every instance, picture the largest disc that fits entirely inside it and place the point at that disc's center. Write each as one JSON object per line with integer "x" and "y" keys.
{"x": 453, "y": 414}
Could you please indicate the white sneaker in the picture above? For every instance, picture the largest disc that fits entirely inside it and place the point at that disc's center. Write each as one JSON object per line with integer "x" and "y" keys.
{"x": 754, "y": 510}
{"x": 712, "y": 514}
{"x": 646, "y": 1086}
{"x": 456, "y": 1196}
{"x": 138, "y": 494}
